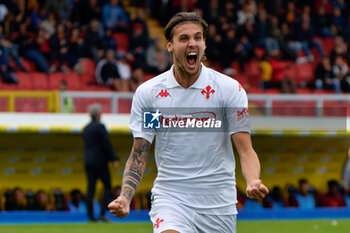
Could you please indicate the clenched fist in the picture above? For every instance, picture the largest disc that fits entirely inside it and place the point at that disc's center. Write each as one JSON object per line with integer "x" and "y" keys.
{"x": 120, "y": 207}
{"x": 256, "y": 190}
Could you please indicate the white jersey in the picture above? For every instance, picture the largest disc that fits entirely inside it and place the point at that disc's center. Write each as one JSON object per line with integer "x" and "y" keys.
{"x": 194, "y": 168}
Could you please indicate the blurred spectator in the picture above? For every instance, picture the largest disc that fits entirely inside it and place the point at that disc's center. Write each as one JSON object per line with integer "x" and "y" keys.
{"x": 227, "y": 51}
{"x": 245, "y": 14}
{"x": 14, "y": 199}
{"x": 306, "y": 36}
{"x": 59, "y": 44}
{"x": 157, "y": 58}
{"x": 322, "y": 23}
{"x": 124, "y": 70}
{"x": 345, "y": 33}
{"x": 279, "y": 77}
{"x": 6, "y": 71}
{"x": 324, "y": 78}
{"x": 43, "y": 40}
{"x": 333, "y": 198}
{"x": 244, "y": 51}
{"x": 93, "y": 41}
{"x": 275, "y": 199}
{"x": 30, "y": 200}
{"x": 59, "y": 201}
{"x": 304, "y": 198}
{"x": 3, "y": 12}
{"x": 29, "y": 48}
{"x": 262, "y": 39}
{"x": 37, "y": 16}
{"x": 10, "y": 49}
{"x": 84, "y": 11}
{"x": 265, "y": 68}
{"x": 68, "y": 102}
{"x": 107, "y": 73}
{"x": 41, "y": 201}
{"x": 108, "y": 40}
{"x": 289, "y": 46}
{"x": 114, "y": 16}
{"x": 49, "y": 24}
{"x": 76, "y": 49}
{"x": 62, "y": 8}
{"x": 326, "y": 4}
{"x": 341, "y": 72}
{"x": 340, "y": 49}
{"x": 181, "y": 6}
{"x": 140, "y": 19}
{"x": 292, "y": 191}
{"x": 211, "y": 10}
{"x": 138, "y": 46}
{"x": 77, "y": 203}
{"x": 214, "y": 44}
{"x": 337, "y": 19}
{"x": 137, "y": 78}
{"x": 291, "y": 16}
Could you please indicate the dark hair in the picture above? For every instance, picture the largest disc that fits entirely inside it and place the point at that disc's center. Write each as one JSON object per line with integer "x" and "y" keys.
{"x": 182, "y": 17}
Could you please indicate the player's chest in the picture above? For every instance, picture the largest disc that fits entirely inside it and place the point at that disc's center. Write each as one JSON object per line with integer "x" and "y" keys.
{"x": 193, "y": 97}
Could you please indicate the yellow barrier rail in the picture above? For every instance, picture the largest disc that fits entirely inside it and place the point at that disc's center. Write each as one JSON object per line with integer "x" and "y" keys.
{"x": 53, "y": 103}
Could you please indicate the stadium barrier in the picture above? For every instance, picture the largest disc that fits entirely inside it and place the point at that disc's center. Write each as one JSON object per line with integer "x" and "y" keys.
{"x": 40, "y": 217}
{"x": 29, "y": 101}
{"x": 263, "y": 105}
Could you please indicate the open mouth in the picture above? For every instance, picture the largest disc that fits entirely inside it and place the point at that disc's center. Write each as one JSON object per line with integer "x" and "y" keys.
{"x": 191, "y": 58}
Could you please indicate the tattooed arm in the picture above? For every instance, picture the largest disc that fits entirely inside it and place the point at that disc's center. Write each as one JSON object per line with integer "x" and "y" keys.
{"x": 133, "y": 172}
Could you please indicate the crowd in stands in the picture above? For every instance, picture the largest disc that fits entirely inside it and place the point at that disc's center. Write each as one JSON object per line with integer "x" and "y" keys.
{"x": 17, "y": 199}
{"x": 304, "y": 196}
{"x": 276, "y": 35}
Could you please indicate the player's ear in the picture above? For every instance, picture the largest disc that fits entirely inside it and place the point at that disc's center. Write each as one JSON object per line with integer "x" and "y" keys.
{"x": 169, "y": 46}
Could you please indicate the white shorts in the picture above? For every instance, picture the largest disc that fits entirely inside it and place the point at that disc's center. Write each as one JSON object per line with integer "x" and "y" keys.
{"x": 169, "y": 215}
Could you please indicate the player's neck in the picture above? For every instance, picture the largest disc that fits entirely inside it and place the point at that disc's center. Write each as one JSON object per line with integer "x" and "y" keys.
{"x": 185, "y": 79}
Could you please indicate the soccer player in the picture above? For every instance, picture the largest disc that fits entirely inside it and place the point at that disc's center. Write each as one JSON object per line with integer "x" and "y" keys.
{"x": 195, "y": 186}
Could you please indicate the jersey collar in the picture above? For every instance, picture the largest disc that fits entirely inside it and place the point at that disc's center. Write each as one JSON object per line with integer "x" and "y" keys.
{"x": 200, "y": 83}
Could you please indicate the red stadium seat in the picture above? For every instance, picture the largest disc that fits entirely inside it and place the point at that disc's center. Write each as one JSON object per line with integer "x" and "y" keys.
{"x": 55, "y": 79}
{"x": 88, "y": 65}
{"x": 122, "y": 41}
{"x": 29, "y": 65}
{"x": 40, "y": 81}
{"x": 73, "y": 81}
{"x": 305, "y": 73}
{"x": 25, "y": 81}
{"x": 9, "y": 86}
{"x": 88, "y": 78}
{"x": 327, "y": 45}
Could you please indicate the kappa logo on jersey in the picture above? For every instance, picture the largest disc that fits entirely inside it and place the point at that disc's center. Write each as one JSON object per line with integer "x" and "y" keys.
{"x": 158, "y": 221}
{"x": 207, "y": 92}
{"x": 163, "y": 93}
{"x": 151, "y": 120}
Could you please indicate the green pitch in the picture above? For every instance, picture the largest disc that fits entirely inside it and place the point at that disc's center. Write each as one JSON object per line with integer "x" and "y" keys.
{"x": 315, "y": 226}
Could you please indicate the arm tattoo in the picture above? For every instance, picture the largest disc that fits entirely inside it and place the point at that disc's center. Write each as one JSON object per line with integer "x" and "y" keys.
{"x": 134, "y": 168}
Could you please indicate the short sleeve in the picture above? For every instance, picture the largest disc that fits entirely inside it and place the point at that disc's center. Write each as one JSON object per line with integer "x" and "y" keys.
{"x": 139, "y": 104}
{"x": 236, "y": 110}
